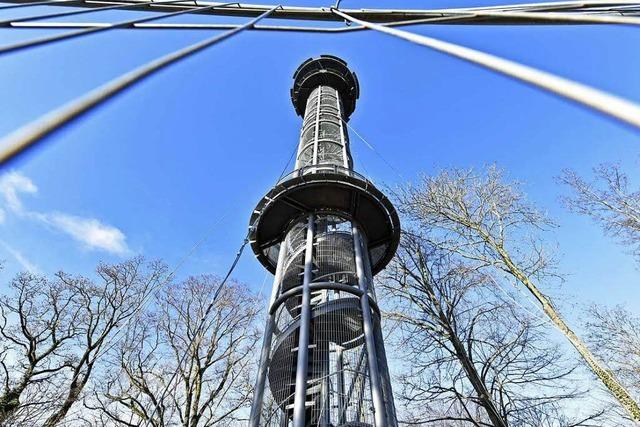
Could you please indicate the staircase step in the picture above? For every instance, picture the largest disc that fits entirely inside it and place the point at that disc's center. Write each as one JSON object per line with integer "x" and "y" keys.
{"x": 294, "y": 349}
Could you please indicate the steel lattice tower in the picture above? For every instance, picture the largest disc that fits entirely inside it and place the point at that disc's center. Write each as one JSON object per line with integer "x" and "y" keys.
{"x": 324, "y": 231}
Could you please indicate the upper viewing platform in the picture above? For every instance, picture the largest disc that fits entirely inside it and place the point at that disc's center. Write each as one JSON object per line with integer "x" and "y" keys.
{"x": 326, "y": 70}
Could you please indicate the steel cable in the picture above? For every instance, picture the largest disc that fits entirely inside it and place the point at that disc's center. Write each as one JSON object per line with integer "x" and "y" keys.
{"x": 36, "y": 3}
{"x": 448, "y": 16}
{"x": 30, "y": 134}
{"x": 8, "y": 22}
{"x": 123, "y": 24}
{"x": 201, "y": 323}
{"x": 610, "y": 105}
{"x": 390, "y": 15}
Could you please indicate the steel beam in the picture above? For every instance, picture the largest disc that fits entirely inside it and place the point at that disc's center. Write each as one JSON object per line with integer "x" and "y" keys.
{"x": 342, "y": 410}
{"x": 325, "y": 14}
{"x": 367, "y": 325}
{"x": 299, "y": 403}
{"x": 626, "y": 111}
{"x": 256, "y": 406}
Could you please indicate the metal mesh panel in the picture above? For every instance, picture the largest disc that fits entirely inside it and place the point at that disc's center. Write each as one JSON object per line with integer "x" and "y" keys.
{"x": 330, "y": 153}
{"x": 308, "y": 136}
{"x": 329, "y": 130}
{"x": 323, "y": 139}
{"x": 338, "y": 388}
{"x": 378, "y": 252}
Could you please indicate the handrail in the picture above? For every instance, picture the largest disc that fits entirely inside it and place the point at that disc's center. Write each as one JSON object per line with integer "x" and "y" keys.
{"x": 319, "y": 286}
{"x": 322, "y": 168}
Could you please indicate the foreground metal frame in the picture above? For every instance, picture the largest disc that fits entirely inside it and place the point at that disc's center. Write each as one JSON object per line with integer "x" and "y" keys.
{"x": 383, "y": 20}
{"x": 341, "y": 177}
{"x": 619, "y": 8}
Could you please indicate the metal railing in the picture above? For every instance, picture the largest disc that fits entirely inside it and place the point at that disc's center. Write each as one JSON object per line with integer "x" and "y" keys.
{"x": 323, "y": 169}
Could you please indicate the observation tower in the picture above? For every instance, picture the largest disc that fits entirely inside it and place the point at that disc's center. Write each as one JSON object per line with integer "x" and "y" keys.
{"x": 324, "y": 231}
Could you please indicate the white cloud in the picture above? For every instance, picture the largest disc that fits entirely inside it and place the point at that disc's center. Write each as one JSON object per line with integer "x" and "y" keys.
{"x": 22, "y": 260}
{"x": 13, "y": 183}
{"x": 91, "y": 232}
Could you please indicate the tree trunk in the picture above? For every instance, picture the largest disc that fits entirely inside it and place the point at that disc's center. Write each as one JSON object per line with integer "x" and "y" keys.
{"x": 10, "y": 401}
{"x": 485, "y": 398}
{"x": 607, "y": 377}
{"x": 475, "y": 380}
{"x": 74, "y": 392}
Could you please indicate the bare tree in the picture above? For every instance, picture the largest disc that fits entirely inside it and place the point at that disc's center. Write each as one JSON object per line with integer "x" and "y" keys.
{"x": 609, "y": 201}
{"x": 53, "y": 332}
{"x": 614, "y": 333}
{"x": 212, "y": 384}
{"x": 489, "y": 223}
{"x": 474, "y": 357}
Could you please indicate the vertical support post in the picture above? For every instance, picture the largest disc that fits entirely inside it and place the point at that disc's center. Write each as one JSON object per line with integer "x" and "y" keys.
{"x": 369, "y": 337}
{"x": 343, "y": 133}
{"x": 340, "y": 380}
{"x": 362, "y": 380}
{"x": 299, "y": 403}
{"x": 355, "y": 378}
{"x": 317, "y": 131}
{"x": 390, "y": 408}
{"x": 256, "y": 406}
{"x": 326, "y": 391}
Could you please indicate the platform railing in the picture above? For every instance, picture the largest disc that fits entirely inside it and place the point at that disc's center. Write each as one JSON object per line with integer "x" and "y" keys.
{"x": 326, "y": 168}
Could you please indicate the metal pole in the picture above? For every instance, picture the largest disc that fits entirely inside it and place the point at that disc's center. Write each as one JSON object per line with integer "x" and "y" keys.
{"x": 30, "y": 134}
{"x": 101, "y": 28}
{"x": 373, "y": 15}
{"x": 367, "y": 324}
{"x": 390, "y": 408}
{"x": 299, "y": 403}
{"x": 326, "y": 390}
{"x": 256, "y": 407}
{"x": 362, "y": 381}
{"x": 36, "y": 3}
{"x": 8, "y": 22}
{"x": 355, "y": 378}
{"x": 614, "y": 106}
{"x": 340, "y": 379}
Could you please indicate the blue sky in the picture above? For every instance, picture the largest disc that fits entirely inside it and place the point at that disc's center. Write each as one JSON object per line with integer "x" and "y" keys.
{"x": 190, "y": 151}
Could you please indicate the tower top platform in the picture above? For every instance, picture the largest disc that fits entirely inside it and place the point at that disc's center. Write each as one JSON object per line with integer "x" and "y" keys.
{"x": 325, "y": 70}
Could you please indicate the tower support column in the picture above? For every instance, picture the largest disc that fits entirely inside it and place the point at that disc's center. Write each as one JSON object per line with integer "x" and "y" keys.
{"x": 340, "y": 379}
{"x": 367, "y": 325}
{"x": 256, "y": 405}
{"x": 299, "y": 403}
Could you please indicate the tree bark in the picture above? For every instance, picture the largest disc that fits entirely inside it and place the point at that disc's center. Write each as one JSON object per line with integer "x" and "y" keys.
{"x": 484, "y": 397}
{"x": 607, "y": 377}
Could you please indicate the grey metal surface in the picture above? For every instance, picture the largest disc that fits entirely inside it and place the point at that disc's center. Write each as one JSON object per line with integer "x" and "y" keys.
{"x": 256, "y": 407}
{"x": 299, "y": 409}
{"x": 328, "y": 75}
{"x": 388, "y": 15}
{"x": 369, "y": 335}
{"x": 328, "y": 188}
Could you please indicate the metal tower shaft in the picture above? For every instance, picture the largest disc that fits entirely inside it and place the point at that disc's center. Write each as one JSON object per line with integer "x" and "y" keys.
{"x": 324, "y": 230}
